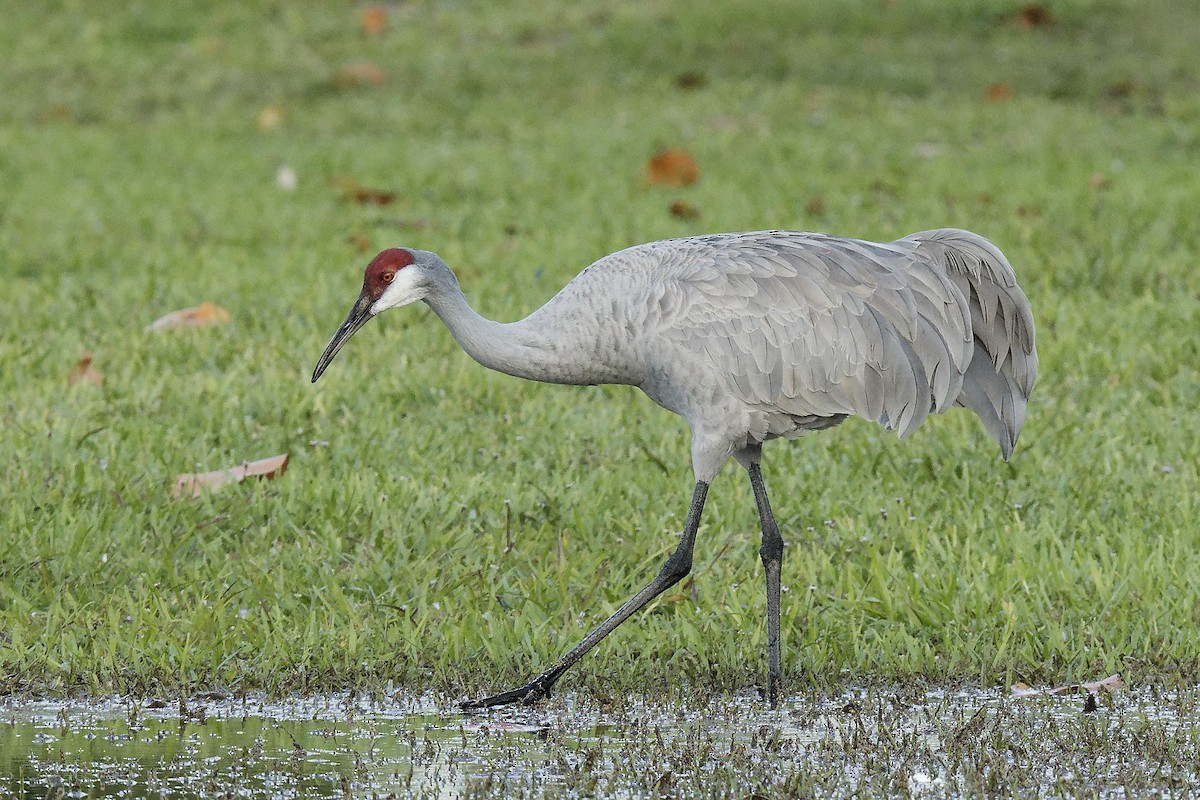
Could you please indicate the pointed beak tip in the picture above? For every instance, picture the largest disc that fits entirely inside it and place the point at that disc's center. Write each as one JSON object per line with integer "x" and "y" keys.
{"x": 359, "y": 315}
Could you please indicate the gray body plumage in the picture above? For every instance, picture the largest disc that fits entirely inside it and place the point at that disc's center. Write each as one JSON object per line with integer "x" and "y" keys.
{"x": 753, "y": 336}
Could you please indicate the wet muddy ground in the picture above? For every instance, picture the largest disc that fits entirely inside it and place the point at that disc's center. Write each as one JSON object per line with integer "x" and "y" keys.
{"x": 857, "y": 743}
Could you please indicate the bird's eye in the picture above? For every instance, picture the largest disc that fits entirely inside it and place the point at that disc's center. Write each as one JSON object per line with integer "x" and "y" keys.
{"x": 387, "y": 277}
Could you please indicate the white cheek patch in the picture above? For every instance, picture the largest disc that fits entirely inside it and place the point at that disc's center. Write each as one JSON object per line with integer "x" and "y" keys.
{"x": 406, "y": 288}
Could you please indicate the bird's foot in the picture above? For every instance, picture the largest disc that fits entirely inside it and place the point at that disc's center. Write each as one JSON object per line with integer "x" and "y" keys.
{"x": 536, "y": 690}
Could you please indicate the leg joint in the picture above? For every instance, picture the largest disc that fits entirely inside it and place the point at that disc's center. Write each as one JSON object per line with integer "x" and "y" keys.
{"x": 676, "y": 567}
{"x": 772, "y": 547}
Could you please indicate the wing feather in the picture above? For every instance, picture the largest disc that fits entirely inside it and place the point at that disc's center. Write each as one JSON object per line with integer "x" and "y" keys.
{"x": 813, "y": 327}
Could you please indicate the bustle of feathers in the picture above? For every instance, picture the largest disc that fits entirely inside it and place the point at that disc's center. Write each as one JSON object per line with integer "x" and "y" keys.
{"x": 801, "y": 330}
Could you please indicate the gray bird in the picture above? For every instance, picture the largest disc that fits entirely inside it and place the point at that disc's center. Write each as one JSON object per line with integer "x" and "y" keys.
{"x": 751, "y": 337}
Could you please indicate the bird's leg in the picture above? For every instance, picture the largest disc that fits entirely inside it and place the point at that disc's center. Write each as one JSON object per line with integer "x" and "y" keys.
{"x": 772, "y": 558}
{"x": 674, "y": 570}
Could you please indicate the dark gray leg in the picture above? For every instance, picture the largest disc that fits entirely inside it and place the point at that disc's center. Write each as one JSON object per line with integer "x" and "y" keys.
{"x": 772, "y": 558}
{"x": 673, "y": 571}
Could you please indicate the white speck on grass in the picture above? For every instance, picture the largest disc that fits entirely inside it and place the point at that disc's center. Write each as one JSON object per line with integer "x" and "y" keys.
{"x": 285, "y": 178}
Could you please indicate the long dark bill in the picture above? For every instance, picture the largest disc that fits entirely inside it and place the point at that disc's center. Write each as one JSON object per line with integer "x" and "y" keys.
{"x": 359, "y": 315}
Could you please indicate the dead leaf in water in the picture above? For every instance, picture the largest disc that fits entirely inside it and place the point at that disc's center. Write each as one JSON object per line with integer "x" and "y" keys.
{"x": 1091, "y": 689}
{"x": 672, "y": 167}
{"x": 84, "y": 372}
{"x": 207, "y": 313}
{"x": 1111, "y": 683}
{"x": 192, "y": 484}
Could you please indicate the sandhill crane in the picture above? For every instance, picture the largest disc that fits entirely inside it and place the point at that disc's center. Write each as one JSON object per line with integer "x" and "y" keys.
{"x": 750, "y": 337}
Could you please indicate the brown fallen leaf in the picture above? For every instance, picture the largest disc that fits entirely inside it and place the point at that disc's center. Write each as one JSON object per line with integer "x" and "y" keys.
{"x": 373, "y": 20}
{"x": 57, "y": 114}
{"x": 1121, "y": 90}
{"x": 815, "y": 206}
{"x": 672, "y": 167}
{"x": 360, "y": 73}
{"x": 207, "y": 313}
{"x": 84, "y": 372}
{"x": 353, "y": 190}
{"x": 1108, "y": 684}
{"x": 1035, "y": 16}
{"x": 1099, "y": 181}
{"x": 192, "y": 484}
{"x": 998, "y": 92}
{"x": 682, "y": 209}
{"x": 271, "y": 117}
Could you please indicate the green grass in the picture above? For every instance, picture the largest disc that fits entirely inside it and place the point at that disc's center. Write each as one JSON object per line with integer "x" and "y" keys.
{"x": 444, "y": 527}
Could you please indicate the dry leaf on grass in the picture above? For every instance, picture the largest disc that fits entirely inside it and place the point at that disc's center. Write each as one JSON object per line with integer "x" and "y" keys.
{"x": 191, "y": 484}
{"x": 353, "y": 190}
{"x": 271, "y": 117}
{"x": 207, "y": 313}
{"x": 998, "y": 92}
{"x": 815, "y": 206}
{"x": 360, "y": 73}
{"x": 672, "y": 167}
{"x": 682, "y": 209}
{"x": 373, "y": 20}
{"x": 1035, "y": 16}
{"x": 84, "y": 372}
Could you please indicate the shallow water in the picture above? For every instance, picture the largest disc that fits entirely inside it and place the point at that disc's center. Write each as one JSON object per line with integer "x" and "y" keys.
{"x": 926, "y": 744}
{"x": 315, "y": 747}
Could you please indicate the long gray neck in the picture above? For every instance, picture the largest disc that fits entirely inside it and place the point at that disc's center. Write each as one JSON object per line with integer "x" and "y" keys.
{"x": 524, "y": 349}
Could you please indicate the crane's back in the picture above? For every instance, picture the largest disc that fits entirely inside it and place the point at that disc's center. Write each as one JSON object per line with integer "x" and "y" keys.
{"x": 772, "y": 333}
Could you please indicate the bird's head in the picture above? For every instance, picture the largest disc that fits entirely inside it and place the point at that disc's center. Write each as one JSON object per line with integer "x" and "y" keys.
{"x": 396, "y": 277}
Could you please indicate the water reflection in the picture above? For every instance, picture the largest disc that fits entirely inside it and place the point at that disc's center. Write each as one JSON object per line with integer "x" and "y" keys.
{"x": 864, "y": 742}
{"x": 324, "y": 747}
